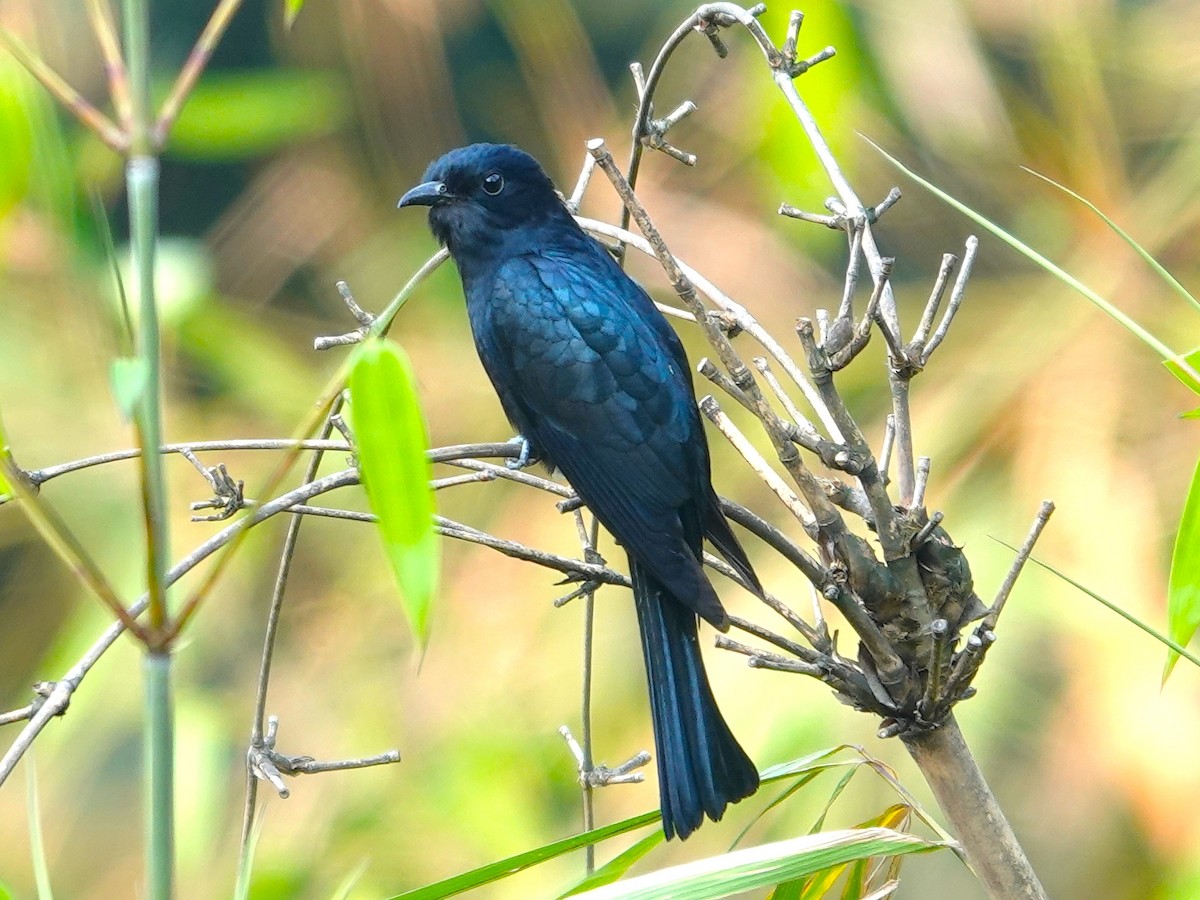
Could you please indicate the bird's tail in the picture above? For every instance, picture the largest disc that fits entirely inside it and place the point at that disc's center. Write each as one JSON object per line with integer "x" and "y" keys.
{"x": 701, "y": 766}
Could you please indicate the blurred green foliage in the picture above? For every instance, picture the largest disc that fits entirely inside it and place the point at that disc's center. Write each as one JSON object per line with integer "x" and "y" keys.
{"x": 283, "y": 179}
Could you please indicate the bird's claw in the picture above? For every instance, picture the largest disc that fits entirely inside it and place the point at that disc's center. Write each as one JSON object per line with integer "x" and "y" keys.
{"x": 523, "y": 458}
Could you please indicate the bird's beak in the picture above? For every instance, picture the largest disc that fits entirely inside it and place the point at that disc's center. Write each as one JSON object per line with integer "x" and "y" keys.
{"x": 430, "y": 193}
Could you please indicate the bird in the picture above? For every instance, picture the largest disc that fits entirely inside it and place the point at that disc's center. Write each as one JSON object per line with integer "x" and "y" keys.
{"x": 599, "y": 387}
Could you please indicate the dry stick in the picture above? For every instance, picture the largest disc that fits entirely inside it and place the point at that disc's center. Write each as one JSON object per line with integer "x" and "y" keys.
{"x": 806, "y": 427}
{"x": 304, "y": 765}
{"x": 823, "y": 665}
{"x": 73, "y": 101}
{"x": 949, "y": 261}
{"x": 885, "y": 453}
{"x": 831, "y": 454}
{"x": 765, "y": 659}
{"x": 924, "y": 464}
{"x": 573, "y": 568}
{"x": 192, "y": 69}
{"x": 449, "y": 454}
{"x": 762, "y": 469}
{"x": 645, "y": 89}
{"x": 1035, "y": 531}
{"x": 846, "y": 309}
{"x": 581, "y": 185}
{"x": 274, "y": 613}
{"x": 60, "y": 695}
{"x": 856, "y": 211}
{"x": 956, "y": 298}
{"x": 19, "y": 715}
{"x": 868, "y": 477}
{"x": 105, "y": 29}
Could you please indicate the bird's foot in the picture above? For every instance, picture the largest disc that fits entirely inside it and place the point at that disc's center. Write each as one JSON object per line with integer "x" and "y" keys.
{"x": 524, "y": 458}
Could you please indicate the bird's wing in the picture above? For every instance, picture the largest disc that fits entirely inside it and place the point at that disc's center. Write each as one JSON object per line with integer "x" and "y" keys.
{"x": 585, "y": 363}
{"x": 606, "y": 399}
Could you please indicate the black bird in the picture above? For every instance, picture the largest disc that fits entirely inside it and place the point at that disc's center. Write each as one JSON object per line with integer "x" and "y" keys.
{"x": 599, "y": 387}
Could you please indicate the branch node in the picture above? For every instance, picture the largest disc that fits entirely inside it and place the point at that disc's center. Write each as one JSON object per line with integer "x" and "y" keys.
{"x": 229, "y": 496}
{"x": 365, "y": 321}
{"x": 600, "y": 775}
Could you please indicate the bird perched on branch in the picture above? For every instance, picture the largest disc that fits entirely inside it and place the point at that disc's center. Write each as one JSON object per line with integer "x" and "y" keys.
{"x": 599, "y": 387}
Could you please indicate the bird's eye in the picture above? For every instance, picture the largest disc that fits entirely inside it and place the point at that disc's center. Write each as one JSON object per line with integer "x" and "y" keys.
{"x": 493, "y": 183}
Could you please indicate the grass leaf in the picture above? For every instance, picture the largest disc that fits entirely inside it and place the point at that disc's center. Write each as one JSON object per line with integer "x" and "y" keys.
{"x": 1172, "y": 645}
{"x": 390, "y": 438}
{"x": 763, "y": 866}
{"x": 1153, "y": 263}
{"x": 466, "y": 881}
{"x": 620, "y": 864}
{"x": 1183, "y": 592}
{"x": 1159, "y": 269}
{"x": 1185, "y": 368}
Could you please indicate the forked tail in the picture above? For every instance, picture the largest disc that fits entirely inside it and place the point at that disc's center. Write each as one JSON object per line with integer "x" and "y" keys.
{"x": 701, "y": 766}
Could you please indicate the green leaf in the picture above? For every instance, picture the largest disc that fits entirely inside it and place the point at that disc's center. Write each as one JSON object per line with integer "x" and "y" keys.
{"x": 763, "y": 866}
{"x": 1183, "y": 592}
{"x": 390, "y": 438}
{"x": 128, "y": 376}
{"x": 1186, "y": 367}
{"x": 810, "y": 762}
{"x": 833, "y": 795}
{"x": 291, "y": 9}
{"x": 236, "y": 115}
{"x": 783, "y": 795}
{"x": 789, "y": 890}
{"x": 503, "y": 868}
{"x": 895, "y": 817}
{"x": 1028, "y": 252}
{"x": 620, "y": 864}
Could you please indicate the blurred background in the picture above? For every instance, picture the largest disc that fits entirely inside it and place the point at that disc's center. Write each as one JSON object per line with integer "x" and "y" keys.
{"x": 282, "y": 177}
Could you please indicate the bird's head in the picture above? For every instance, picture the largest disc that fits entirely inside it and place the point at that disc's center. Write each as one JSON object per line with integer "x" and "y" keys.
{"x": 475, "y": 194}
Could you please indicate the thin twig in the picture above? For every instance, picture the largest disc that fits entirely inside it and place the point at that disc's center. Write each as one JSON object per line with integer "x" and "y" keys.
{"x": 190, "y": 73}
{"x": 1035, "y": 531}
{"x": 923, "y": 465}
{"x": 73, "y": 101}
{"x": 274, "y": 612}
{"x": 769, "y": 476}
{"x": 956, "y": 298}
{"x": 105, "y": 29}
{"x": 949, "y": 261}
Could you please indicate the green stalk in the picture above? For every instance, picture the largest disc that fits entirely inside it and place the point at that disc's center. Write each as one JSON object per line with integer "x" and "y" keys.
{"x": 141, "y": 179}
{"x": 142, "y": 183}
{"x": 159, "y": 733}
